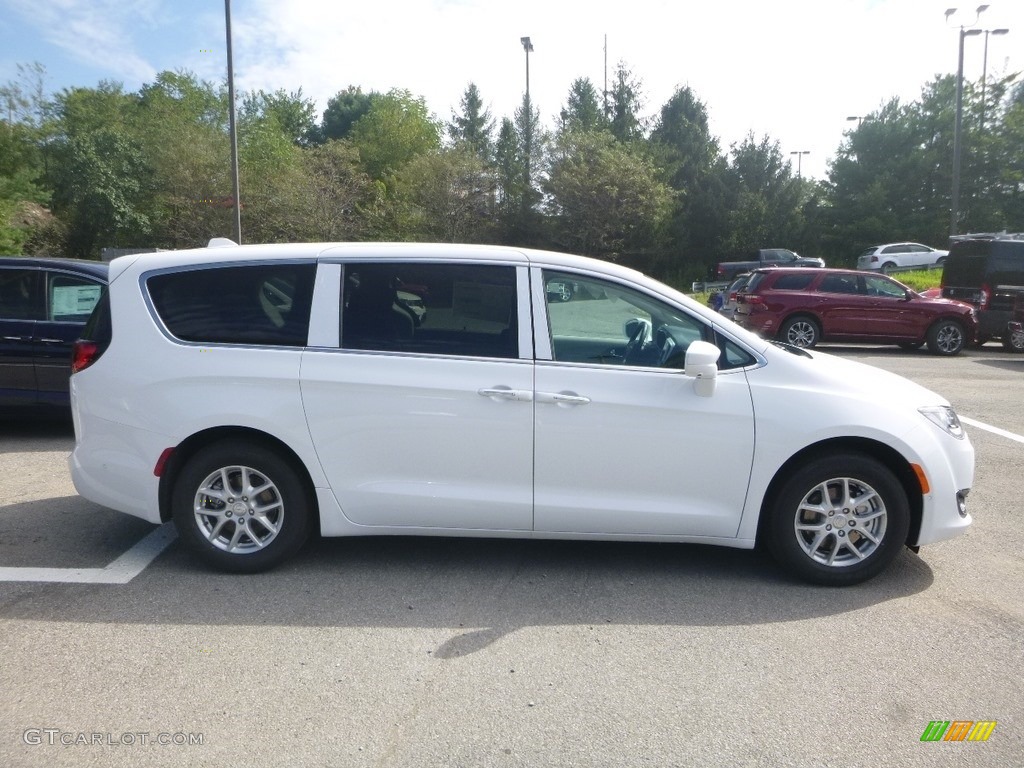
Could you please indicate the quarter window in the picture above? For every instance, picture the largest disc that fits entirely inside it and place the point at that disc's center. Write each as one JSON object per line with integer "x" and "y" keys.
{"x": 71, "y": 299}
{"x": 466, "y": 310}
{"x": 265, "y": 304}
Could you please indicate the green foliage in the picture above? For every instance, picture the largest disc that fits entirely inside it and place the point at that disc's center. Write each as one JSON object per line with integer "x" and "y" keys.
{"x": 293, "y": 113}
{"x": 343, "y": 111}
{"x": 396, "y": 129}
{"x": 606, "y": 198}
{"x": 474, "y": 127}
{"x": 582, "y": 110}
{"x": 152, "y": 168}
{"x": 764, "y": 197}
{"x": 626, "y": 102}
{"x": 446, "y": 197}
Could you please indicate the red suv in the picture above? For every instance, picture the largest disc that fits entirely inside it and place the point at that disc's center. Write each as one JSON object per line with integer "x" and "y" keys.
{"x": 805, "y": 306}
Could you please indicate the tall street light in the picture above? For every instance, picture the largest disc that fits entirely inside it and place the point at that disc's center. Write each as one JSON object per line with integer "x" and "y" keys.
{"x": 858, "y": 118}
{"x": 799, "y": 156}
{"x": 528, "y": 125}
{"x": 954, "y": 203}
{"x": 231, "y": 125}
{"x": 984, "y": 72}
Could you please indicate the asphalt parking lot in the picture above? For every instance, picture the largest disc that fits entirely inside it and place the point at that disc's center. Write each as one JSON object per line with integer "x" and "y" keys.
{"x": 448, "y": 652}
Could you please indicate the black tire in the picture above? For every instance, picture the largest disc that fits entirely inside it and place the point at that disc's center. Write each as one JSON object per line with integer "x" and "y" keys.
{"x": 946, "y": 338}
{"x": 910, "y": 345}
{"x": 800, "y": 331}
{"x": 804, "y": 530}
{"x": 1013, "y": 341}
{"x": 266, "y": 539}
{"x": 888, "y": 267}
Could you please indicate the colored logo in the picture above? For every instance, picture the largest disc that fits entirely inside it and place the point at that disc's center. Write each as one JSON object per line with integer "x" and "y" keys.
{"x": 958, "y": 730}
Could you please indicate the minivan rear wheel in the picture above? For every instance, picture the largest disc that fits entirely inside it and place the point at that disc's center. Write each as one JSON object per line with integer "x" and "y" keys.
{"x": 241, "y": 507}
{"x": 838, "y": 520}
{"x": 946, "y": 337}
{"x": 800, "y": 332}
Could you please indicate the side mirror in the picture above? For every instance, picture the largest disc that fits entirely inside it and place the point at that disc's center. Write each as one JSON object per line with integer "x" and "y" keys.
{"x": 702, "y": 365}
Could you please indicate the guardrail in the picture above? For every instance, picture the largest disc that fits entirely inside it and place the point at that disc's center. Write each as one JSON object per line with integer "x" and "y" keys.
{"x": 700, "y": 286}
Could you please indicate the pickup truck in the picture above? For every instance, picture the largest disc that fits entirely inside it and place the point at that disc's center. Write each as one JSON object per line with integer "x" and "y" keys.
{"x": 765, "y": 257}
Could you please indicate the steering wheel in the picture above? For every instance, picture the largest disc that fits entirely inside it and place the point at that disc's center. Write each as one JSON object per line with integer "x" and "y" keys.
{"x": 636, "y": 342}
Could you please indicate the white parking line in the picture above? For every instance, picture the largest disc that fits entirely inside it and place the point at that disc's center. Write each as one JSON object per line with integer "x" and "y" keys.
{"x": 121, "y": 571}
{"x": 994, "y": 430}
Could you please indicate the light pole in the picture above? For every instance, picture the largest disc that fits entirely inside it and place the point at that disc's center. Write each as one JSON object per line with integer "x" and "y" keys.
{"x": 954, "y": 203}
{"x": 528, "y": 47}
{"x": 799, "y": 156}
{"x": 231, "y": 125}
{"x": 858, "y": 118}
{"x": 984, "y": 72}
{"x": 528, "y": 117}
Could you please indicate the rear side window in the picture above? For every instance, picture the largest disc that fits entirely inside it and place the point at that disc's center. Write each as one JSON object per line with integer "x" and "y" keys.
{"x": 468, "y": 310}
{"x": 792, "y": 282}
{"x": 265, "y": 304}
{"x": 19, "y": 295}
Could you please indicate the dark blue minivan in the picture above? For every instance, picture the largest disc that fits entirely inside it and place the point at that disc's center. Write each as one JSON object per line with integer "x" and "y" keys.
{"x": 44, "y": 304}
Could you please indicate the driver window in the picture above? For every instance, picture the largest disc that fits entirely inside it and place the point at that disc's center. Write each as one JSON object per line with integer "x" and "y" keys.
{"x": 604, "y": 323}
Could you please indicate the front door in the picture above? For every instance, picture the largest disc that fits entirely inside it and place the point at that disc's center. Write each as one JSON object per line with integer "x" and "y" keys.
{"x": 623, "y": 443}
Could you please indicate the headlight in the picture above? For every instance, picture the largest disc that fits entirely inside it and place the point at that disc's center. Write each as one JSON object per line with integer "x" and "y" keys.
{"x": 945, "y": 418}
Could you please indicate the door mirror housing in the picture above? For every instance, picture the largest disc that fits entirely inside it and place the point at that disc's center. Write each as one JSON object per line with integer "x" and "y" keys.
{"x": 702, "y": 366}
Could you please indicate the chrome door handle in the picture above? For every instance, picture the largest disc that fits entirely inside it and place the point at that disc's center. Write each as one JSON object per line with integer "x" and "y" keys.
{"x": 505, "y": 393}
{"x": 562, "y": 398}
{"x": 52, "y": 341}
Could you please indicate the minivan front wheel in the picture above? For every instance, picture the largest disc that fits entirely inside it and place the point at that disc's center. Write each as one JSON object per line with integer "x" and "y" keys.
{"x": 838, "y": 520}
{"x": 241, "y": 507}
{"x": 946, "y": 337}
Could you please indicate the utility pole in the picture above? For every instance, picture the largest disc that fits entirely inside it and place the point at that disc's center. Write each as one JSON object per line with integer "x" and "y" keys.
{"x": 232, "y": 128}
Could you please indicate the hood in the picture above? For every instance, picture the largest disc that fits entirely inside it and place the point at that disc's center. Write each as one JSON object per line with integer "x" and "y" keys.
{"x": 820, "y": 370}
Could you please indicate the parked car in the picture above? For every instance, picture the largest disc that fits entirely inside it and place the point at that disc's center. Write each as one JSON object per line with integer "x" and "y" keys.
{"x": 805, "y": 306}
{"x": 730, "y": 301}
{"x": 763, "y": 257}
{"x": 988, "y": 273}
{"x": 44, "y": 304}
{"x": 892, "y": 256}
{"x": 635, "y": 415}
{"x": 1015, "y": 329}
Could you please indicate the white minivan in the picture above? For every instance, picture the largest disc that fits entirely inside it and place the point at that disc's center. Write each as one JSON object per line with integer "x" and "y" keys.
{"x": 260, "y": 394}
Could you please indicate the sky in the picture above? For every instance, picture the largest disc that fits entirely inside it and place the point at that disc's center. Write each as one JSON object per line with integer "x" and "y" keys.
{"x": 792, "y": 70}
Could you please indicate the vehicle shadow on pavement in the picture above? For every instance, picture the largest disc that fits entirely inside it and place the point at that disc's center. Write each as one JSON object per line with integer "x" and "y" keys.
{"x": 482, "y": 589}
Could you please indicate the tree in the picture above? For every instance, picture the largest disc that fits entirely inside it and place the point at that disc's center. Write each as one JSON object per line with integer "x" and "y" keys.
{"x": 293, "y": 113}
{"x": 605, "y": 196}
{"x": 181, "y": 126}
{"x": 337, "y": 200}
{"x": 474, "y": 126}
{"x": 343, "y": 111}
{"x": 626, "y": 124}
{"x": 582, "y": 110}
{"x": 447, "y": 197}
{"x": 396, "y": 129}
{"x": 765, "y": 198}
{"x": 519, "y": 157}
{"x": 98, "y": 169}
{"x": 692, "y": 165}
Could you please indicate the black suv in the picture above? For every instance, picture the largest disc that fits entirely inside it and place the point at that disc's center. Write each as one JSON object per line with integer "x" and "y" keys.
{"x": 987, "y": 271}
{"x": 44, "y": 304}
